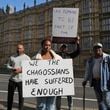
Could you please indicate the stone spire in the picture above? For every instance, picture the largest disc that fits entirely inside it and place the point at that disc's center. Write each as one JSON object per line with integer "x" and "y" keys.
{"x": 34, "y": 2}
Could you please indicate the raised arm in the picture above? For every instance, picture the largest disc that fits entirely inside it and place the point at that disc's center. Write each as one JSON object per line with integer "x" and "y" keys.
{"x": 77, "y": 51}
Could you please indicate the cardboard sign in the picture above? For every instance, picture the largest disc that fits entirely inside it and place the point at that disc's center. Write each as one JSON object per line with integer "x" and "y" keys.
{"x": 65, "y": 22}
{"x": 48, "y": 78}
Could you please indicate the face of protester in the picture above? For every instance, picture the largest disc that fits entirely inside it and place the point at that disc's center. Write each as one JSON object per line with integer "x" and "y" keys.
{"x": 20, "y": 49}
{"x": 98, "y": 52}
{"x": 63, "y": 49}
{"x": 46, "y": 47}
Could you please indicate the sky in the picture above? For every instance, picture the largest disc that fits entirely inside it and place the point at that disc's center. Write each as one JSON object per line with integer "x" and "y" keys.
{"x": 19, "y": 3}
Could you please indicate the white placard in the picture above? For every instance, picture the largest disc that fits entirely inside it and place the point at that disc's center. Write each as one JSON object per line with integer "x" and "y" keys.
{"x": 48, "y": 78}
{"x": 65, "y": 22}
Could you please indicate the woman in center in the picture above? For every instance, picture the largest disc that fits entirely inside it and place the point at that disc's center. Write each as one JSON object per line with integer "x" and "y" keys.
{"x": 46, "y": 53}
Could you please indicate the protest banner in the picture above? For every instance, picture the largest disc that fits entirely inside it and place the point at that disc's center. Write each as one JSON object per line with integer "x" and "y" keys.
{"x": 65, "y": 24}
{"x": 48, "y": 78}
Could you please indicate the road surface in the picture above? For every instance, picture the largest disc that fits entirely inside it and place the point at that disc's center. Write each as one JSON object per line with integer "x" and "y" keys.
{"x": 30, "y": 103}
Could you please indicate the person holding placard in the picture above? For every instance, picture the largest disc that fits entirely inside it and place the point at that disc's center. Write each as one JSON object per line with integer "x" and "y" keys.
{"x": 15, "y": 81}
{"x": 46, "y": 53}
{"x": 63, "y": 52}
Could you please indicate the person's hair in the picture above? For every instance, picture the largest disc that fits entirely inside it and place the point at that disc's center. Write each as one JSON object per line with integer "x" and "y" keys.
{"x": 63, "y": 46}
{"x": 20, "y": 43}
{"x": 46, "y": 39}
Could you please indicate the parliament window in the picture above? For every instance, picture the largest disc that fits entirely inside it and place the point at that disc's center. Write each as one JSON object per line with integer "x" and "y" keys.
{"x": 87, "y": 43}
{"x": 106, "y": 41}
{"x": 105, "y": 24}
{"x": 86, "y": 25}
{"x": 86, "y": 6}
{"x": 105, "y": 6}
{"x": 28, "y": 34}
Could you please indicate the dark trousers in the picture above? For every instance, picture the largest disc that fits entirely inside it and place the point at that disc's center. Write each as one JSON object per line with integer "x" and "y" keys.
{"x": 58, "y": 102}
{"x": 11, "y": 88}
{"x": 98, "y": 92}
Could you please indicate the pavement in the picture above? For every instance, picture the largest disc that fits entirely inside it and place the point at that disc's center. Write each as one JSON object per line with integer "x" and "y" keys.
{"x": 27, "y": 106}
{"x": 33, "y": 108}
{"x": 31, "y": 104}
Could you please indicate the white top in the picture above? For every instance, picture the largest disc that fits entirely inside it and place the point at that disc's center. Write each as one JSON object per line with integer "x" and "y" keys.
{"x": 96, "y": 68}
{"x": 38, "y": 56}
{"x": 15, "y": 61}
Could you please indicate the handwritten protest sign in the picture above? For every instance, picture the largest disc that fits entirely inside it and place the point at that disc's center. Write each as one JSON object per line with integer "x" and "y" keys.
{"x": 65, "y": 22}
{"x": 48, "y": 78}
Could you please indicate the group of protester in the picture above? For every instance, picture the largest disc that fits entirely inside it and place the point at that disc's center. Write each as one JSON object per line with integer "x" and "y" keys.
{"x": 97, "y": 72}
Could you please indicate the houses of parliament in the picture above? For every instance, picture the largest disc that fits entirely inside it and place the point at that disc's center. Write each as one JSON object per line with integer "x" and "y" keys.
{"x": 31, "y": 24}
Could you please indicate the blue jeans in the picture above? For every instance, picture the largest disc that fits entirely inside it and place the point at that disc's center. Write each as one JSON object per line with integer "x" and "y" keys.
{"x": 103, "y": 98}
{"x": 106, "y": 98}
{"x": 46, "y": 103}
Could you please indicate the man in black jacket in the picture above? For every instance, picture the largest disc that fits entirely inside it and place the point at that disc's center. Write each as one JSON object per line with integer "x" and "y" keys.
{"x": 64, "y": 54}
